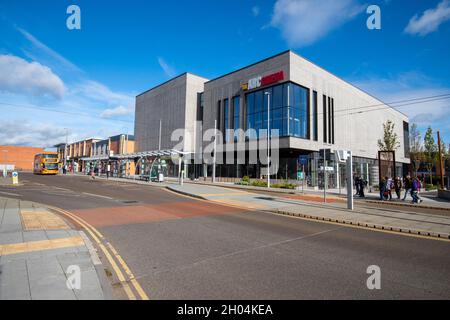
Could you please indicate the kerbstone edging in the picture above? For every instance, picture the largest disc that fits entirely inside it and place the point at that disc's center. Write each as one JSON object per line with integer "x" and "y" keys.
{"x": 431, "y": 234}
{"x": 185, "y": 193}
{"x": 398, "y": 204}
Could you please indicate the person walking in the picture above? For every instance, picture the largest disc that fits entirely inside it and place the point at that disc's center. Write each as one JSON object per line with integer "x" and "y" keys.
{"x": 363, "y": 185}
{"x": 357, "y": 186}
{"x": 108, "y": 170}
{"x": 407, "y": 185}
{"x": 398, "y": 187}
{"x": 382, "y": 186}
{"x": 389, "y": 187}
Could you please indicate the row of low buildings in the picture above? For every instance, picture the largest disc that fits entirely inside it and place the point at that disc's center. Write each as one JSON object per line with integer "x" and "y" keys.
{"x": 96, "y": 154}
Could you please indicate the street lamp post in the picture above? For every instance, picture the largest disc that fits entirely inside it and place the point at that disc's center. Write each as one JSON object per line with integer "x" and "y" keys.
{"x": 5, "y": 168}
{"x": 268, "y": 138}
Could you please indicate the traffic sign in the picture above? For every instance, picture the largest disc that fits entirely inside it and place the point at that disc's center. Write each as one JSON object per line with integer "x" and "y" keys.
{"x": 15, "y": 177}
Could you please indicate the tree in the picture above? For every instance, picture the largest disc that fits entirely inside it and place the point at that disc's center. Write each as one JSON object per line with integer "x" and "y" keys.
{"x": 390, "y": 138}
{"x": 416, "y": 147}
{"x": 430, "y": 151}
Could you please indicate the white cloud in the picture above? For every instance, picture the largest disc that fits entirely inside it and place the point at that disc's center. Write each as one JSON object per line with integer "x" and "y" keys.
{"x": 25, "y": 133}
{"x": 118, "y": 111}
{"x": 303, "y": 22}
{"x": 29, "y": 117}
{"x": 20, "y": 76}
{"x": 430, "y": 20}
{"x": 255, "y": 11}
{"x": 168, "y": 70}
{"x": 43, "y": 51}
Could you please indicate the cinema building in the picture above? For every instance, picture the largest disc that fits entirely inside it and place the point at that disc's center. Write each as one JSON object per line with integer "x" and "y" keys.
{"x": 311, "y": 108}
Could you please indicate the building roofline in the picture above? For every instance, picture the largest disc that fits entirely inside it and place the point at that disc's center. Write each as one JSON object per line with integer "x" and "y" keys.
{"x": 165, "y": 82}
{"x": 351, "y": 84}
{"x": 250, "y": 65}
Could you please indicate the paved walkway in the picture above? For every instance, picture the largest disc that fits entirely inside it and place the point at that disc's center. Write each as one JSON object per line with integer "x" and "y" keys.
{"x": 39, "y": 253}
{"x": 430, "y": 198}
{"x": 382, "y": 218}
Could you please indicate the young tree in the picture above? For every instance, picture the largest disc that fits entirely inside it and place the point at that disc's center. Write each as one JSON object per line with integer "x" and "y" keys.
{"x": 416, "y": 147}
{"x": 430, "y": 152}
{"x": 390, "y": 138}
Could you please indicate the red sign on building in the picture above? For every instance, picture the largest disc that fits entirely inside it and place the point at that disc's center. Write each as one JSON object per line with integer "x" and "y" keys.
{"x": 272, "y": 78}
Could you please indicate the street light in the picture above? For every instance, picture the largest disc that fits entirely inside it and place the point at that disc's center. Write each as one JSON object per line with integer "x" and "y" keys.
{"x": 5, "y": 168}
{"x": 268, "y": 138}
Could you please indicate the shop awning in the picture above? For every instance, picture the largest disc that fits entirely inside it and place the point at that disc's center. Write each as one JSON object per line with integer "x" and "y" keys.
{"x": 156, "y": 153}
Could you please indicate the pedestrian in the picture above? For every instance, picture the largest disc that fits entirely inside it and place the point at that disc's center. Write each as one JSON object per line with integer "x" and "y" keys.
{"x": 398, "y": 187}
{"x": 108, "y": 170}
{"x": 388, "y": 188}
{"x": 382, "y": 186}
{"x": 357, "y": 185}
{"x": 363, "y": 185}
{"x": 93, "y": 174}
{"x": 407, "y": 185}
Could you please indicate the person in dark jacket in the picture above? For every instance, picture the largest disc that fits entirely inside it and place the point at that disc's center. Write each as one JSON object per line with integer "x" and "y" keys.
{"x": 382, "y": 186}
{"x": 398, "y": 187}
{"x": 407, "y": 185}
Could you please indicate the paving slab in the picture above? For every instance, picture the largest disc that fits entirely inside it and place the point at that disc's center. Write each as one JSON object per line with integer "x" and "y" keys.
{"x": 31, "y": 268}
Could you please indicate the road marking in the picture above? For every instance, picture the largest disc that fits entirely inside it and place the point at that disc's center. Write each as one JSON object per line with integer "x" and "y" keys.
{"x": 97, "y": 195}
{"x": 15, "y": 248}
{"x": 11, "y": 194}
{"x": 98, "y": 238}
{"x": 42, "y": 220}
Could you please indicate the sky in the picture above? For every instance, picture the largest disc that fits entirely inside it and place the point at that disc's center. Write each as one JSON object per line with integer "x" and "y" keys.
{"x": 56, "y": 82}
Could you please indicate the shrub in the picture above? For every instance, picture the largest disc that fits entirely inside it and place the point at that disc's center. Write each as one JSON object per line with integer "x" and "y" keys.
{"x": 246, "y": 179}
{"x": 259, "y": 183}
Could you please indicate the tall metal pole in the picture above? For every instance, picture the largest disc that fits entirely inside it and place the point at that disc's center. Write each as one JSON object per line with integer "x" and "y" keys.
{"x": 325, "y": 175}
{"x": 441, "y": 164}
{"x": 268, "y": 138}
{"x": 66, "y": 147}
{"x": 350, "y": 180}
{"x": 215, "y": 147}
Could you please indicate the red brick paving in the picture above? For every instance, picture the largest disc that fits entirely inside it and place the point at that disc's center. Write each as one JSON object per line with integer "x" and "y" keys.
{"x": 314, "y": 198}
{"x": 111, "y": 216}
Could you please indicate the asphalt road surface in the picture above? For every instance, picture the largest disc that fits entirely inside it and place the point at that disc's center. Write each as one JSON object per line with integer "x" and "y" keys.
{"x": 182, "y": 248}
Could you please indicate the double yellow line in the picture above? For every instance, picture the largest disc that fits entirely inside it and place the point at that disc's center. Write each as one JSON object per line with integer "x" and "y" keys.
{"x": 112, "y": 255}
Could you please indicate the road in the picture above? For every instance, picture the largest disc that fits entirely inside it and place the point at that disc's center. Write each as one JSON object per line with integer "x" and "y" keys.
{"x": 183, "y": 248}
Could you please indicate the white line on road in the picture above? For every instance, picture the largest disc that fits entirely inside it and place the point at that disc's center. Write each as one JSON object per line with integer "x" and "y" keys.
{"x": 11, "y": 194}
{"x": 97, "y": 195}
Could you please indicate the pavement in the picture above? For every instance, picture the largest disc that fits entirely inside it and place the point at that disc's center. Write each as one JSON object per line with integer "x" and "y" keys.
{"x": 180, "y": 247}
{"x": 40, "y": 252}
{"x": 336, "y": 211}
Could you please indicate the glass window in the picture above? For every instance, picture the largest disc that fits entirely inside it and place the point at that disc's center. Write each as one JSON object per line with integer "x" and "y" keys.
{"x": 258, "y": 101}
{"x": 289, "y": 110}
{"x": 236, "y": 113}
{"x": 277, "y": 96}
{"x": 250, "y": 103}
{"x": 314, "y": 117}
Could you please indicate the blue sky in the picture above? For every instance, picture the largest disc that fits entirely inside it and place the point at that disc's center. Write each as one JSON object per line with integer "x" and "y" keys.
{"x": 91, "y": 76}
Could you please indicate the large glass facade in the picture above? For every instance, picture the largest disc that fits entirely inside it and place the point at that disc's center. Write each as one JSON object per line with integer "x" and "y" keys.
{"x": 314, "y": 117}
{"x": 289, "y": 110}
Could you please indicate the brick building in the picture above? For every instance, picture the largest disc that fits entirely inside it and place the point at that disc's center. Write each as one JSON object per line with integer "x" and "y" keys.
{"x": 21, "y": 157}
